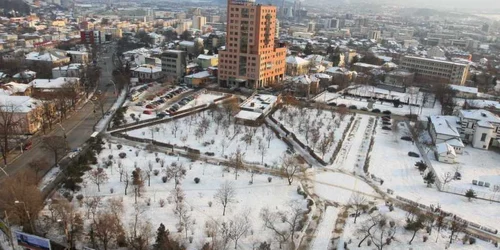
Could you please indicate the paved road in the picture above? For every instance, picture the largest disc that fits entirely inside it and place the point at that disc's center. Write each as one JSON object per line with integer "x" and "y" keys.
{"x": 78, "y": 127}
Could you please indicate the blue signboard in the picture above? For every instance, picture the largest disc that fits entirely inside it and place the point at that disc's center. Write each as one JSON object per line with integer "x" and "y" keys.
{"x": 32, "y": 242}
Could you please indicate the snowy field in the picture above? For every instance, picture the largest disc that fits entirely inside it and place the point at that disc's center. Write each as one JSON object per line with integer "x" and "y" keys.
{"x": 339, "y": 187}
{"x": 485, "y": 170}
{"x": 402, "y": 237}
{"x": 353, "y": 153}
{"x": 199, "y": 198}
{"x": 214, "y": 131}
{"x": 389, "y": 161}
{"x": 314, "y": 127}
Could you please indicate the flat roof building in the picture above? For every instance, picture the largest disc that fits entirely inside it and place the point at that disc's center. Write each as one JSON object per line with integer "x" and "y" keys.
{"x": 433, "y": 70}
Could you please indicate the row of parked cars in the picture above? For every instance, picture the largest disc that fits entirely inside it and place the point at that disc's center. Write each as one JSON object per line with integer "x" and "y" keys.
{"x": 165, "y": 95}
{"x": 179, "y": 104}
{"x": 134, "y": 93}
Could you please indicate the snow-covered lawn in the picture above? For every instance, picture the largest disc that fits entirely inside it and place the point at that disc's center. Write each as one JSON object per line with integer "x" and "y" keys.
{"x": 214, "y": 131}
{"x": 314, "y": 127}
{"x": 389, "y": 161}
{"x": 402, "y": 237}
{"x": 325, "y": 229}
{"x": 468, "y": 164}
{"x": 353, "y": 153}
{"x": 199, "y": 198}
{"x": 339, "y": 187}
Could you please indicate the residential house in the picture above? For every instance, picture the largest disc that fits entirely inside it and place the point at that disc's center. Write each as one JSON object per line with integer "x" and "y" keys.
{"x": 71, "y": 70}
{"x": 18, "y": 89}
{"x": 50, "y": 58}
{"x": 198, "y": 79}
{"x": 43, "y": 88}
{"x": 206, "y": 61}
{"x": 445, "y": 153}
{"x": 464, "y": 92}
{"x": 446, "y": 129}
{"x": 147, "y": 73}
{"x": 480, "y": 127}
{"x": 296, "y": 66}
{"x": 78, "y": 56}
{"x": 27, "y": 113}
{"x": 25, "y": 76}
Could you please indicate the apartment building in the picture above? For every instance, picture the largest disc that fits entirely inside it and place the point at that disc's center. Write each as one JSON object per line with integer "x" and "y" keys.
{"x": 173, "y": 63}
{"x": 431, "y": 70}
{"x": 252, "y": 58}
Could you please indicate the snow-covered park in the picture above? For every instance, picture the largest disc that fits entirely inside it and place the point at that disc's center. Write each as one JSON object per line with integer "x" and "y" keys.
{"x": 321, "y": 130}
{"x": 215, "y": 131}
{"x": 185, "y": 196}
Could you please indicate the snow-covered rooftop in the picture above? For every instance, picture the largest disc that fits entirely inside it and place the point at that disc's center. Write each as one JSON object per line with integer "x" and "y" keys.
{"x": 22, "y": 104}
{"x": 446, "y": 125}
{"x": 147, "y": 69}
{"x": 444, "y": 147}
{"x": 52, "y": 83}
{"x": 464, "y": 89}
{"x": 202, "y": 74}
{"x": 480, "y": 115}
{"x": 295, "y": 60}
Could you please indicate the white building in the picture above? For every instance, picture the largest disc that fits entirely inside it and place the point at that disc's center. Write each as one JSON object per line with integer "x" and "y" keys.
{"x": 71, "y": 70}
{"x": 147, "y": 72}
{"x": 445, "y": 129}
{"x": 445, "y": 153}
{"x": 480, "y": 127}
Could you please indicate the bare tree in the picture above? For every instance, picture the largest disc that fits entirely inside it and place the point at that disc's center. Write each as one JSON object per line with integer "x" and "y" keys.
{"x": 456, "y": 227}
{"x": 141, "y": 230}
{"x": 325, "y": 143}
{"x": 71, "y": 221}
{"x": 225, "y": 195}
{"x": 176, "y": 172}
{"x": 236, "y": 161}
{"x": 126, "y": 181}
{"x": 137, "y": 182}
{"x": 382, "y": 233}
{"x": 92, "y": 203}
{"x": 21, "y": 199}
{"x": 56, "y": 144}
{"x": 10, "y": 126}
{"x": 269, "y": 137}
{"x": 262, "y": 150}
{"x": 283, "y": 223}
{"x": 107, "y": 228}
{"x": 447, "y": 178}
{"x": 358, "y": 203}
{"x": 239, "y": 226}
{"x": 38, "y": 166}
{"x": 98, "y": 176}
{"x": 289, "y": 168}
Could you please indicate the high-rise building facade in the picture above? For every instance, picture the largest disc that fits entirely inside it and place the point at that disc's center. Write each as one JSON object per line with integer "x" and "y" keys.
{"x": 252, "y": 58}
{"x": 199, "y": 22}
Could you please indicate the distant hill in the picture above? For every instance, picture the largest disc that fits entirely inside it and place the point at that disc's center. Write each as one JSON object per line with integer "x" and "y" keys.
{"x": 19, "y": 6}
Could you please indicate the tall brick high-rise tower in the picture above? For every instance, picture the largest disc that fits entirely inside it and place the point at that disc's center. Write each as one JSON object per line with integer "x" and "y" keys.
{"x": 252, "y": 58}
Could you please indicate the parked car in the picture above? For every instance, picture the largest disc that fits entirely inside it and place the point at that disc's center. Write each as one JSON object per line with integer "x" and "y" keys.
{"x": 413, "y": 154}
{"x": 161, "y": 115}
{"x": 28, "y": 145}
{"x": 139, "y": 104}
{"x": 147, "y": 112}
{"x": 149, "y": 106}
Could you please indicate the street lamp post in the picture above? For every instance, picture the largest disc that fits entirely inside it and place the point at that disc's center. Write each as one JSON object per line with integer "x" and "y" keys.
{"x": 27, "y": 213}
{"x": 64, "y": 130}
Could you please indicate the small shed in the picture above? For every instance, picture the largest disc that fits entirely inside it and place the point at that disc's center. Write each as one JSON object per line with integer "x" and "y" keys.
{"x": 445, "y": 153}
